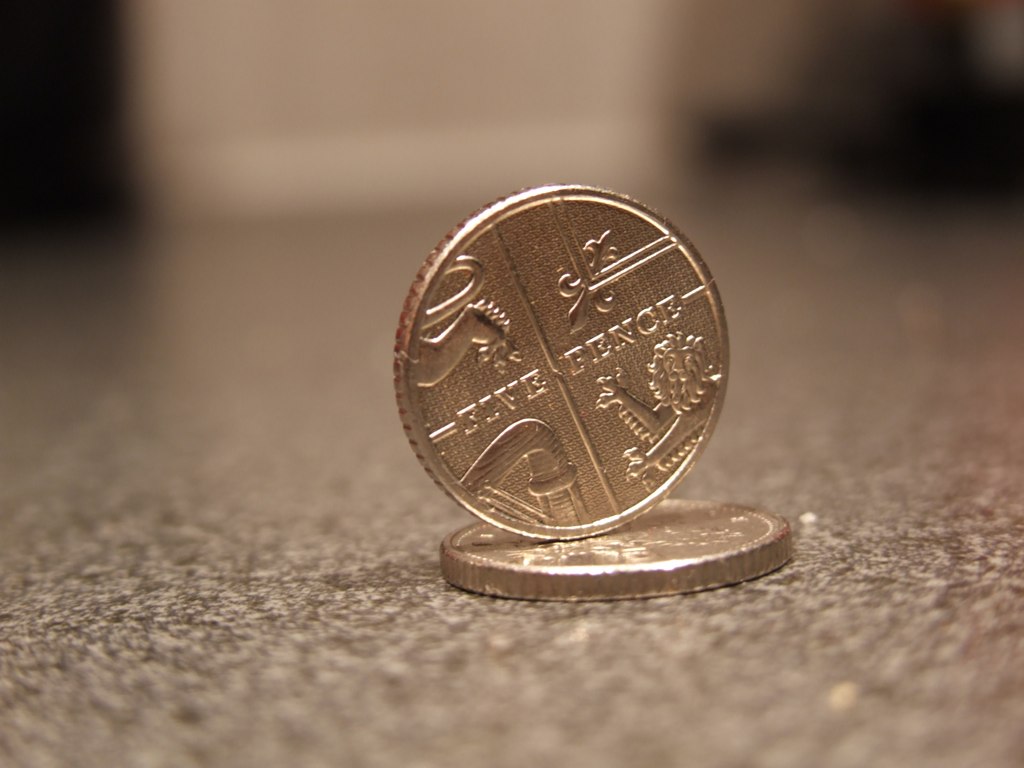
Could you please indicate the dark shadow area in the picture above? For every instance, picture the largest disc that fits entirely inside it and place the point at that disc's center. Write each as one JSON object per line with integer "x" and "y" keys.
{"x": 922, "y": 99}
{"x": 62, "y": 138}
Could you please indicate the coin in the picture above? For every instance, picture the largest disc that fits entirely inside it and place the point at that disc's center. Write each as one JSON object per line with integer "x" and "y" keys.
{"x": 681, "y": 546}
{"x": 561, "y": 361}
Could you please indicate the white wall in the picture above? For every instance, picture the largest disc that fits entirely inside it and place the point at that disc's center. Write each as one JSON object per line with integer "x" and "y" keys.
{"x": 280, "y": 106}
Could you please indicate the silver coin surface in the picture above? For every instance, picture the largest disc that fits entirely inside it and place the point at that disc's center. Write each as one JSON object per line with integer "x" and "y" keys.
{"x": 561, "y": 361}
{"x": 680, "y": 546}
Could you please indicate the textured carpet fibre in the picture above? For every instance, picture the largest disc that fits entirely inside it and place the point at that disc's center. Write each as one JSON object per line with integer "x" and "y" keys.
{"x": 216, "y": 547}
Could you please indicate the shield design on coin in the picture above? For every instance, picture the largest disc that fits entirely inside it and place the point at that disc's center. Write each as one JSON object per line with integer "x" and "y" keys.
{"x": 516, "y": 350}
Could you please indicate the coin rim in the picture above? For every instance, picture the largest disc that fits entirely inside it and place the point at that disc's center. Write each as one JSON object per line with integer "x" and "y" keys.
{"x": 476, "y": 573}
{"x": 409, "y": 327}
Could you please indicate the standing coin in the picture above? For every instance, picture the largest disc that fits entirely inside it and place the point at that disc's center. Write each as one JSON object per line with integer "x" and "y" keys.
{"x": 682, "y": 546}
{"x": 561, "y": 361}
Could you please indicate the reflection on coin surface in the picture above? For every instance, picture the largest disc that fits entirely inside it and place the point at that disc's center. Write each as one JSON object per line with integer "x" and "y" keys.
{"x": 561, "y": 361}
{"x": 681, "y": 546}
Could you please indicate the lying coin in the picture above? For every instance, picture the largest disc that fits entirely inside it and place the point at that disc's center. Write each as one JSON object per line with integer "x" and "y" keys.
{"x": 561, "y": 361}
{"x": 682, "y": 546}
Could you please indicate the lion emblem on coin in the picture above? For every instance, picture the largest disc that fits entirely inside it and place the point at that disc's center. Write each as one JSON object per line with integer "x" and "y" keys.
{"x": 683, "y": 384}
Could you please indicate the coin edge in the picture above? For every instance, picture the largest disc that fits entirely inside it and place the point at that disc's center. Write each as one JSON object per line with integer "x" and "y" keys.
{"x": 760, "y": 557}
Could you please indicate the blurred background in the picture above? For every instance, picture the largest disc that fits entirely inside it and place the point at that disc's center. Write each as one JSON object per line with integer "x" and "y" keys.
{"x": 255, "y": 108}
{"x": 215, "y": 545}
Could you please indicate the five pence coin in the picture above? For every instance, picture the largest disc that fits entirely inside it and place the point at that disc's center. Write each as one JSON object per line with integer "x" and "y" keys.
{"x": 681, "y": 546}
{"x": 561, "y": 361}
